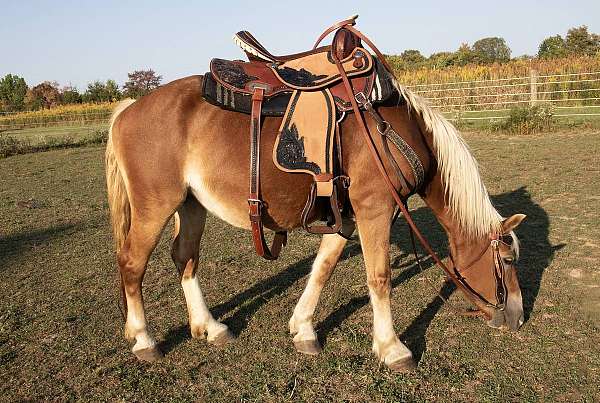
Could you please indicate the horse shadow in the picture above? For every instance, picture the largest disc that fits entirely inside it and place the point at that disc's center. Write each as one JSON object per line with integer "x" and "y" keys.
{"x": 536, "y": 251}
{"x": 536, "y": 254}
{"x": 246, "y": 303}
{"x": 16, "y": 246}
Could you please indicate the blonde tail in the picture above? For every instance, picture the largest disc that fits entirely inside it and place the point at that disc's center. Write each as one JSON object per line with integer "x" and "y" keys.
{"x": 118, "y": 202}
{"x": 120, "y": 213}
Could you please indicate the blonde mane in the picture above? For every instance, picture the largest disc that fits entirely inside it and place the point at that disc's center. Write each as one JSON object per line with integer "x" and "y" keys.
{"x": 468, "y": 199}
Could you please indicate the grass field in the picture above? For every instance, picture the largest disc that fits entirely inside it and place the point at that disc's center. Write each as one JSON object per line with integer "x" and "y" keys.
{"x": 61, "y": 331}
{"x": 37, "y": 135}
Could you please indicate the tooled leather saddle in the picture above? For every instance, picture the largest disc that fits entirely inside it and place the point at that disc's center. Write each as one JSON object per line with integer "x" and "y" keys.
{"x": 313, "y": 91}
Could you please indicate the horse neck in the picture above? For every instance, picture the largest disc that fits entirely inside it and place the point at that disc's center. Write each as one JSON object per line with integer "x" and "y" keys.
{"x": 464, "y": 248}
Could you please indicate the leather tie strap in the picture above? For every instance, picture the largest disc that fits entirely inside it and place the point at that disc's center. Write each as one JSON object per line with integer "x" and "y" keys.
{"x": 254, "y": 203}
{"x": 345, "y": 23}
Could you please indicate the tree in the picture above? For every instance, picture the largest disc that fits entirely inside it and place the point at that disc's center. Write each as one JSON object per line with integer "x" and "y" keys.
{"x": 13, "y": 90}
{"x": 141, "y": 82}
{"x": 44, "y": 95}
{"x": 581, "y": 42}
{"x": 412, "y": 57}
{"x": 102, "y": 92}
{"x": 95, "y": 92}
{"x": 112, "y": 91}
{"x": 463, "y": 56}
{"x": 441, "y": 59}
{"x": 491, "y": 50}
{"x": 70, "y": 95}
{"x": 553, "y": 46}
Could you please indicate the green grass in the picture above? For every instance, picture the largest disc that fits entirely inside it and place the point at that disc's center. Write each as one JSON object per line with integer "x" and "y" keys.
{"x": 41, "y": 134}
{"x": 61, "y": 331}
{"x": 486, "y": 120}
{"x": 15, "y": 142}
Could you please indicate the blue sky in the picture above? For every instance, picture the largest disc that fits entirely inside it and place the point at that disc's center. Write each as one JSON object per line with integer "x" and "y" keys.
{"x": 81, "y": 41}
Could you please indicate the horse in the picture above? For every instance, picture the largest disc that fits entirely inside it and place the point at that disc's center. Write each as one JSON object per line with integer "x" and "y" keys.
{"x": 172, "y": 154}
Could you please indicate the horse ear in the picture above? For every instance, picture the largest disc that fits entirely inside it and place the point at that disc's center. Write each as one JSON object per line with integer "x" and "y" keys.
{"x": 512, "y": 222}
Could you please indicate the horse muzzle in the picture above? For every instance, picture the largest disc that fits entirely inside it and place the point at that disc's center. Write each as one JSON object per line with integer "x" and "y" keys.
{"x": 511, "y": 316}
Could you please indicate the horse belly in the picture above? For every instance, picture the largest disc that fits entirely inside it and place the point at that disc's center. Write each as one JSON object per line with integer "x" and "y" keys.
{"x": 217, "y": 201}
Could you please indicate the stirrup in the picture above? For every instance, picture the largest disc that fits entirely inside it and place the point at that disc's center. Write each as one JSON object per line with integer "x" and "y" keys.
{"x": 335, "y": 227}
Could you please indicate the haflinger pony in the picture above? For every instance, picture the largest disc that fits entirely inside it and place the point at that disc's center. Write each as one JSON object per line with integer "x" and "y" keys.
{"x": 172, "y": 154}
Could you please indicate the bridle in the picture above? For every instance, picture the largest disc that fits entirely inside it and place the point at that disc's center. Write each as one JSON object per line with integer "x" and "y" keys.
{"x": 499, "y": 272}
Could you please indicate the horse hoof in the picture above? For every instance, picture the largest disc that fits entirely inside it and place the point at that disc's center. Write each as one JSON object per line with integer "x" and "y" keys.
{"x": 149, "y": 354}
{"x": 406, "y": 364}
{"x": 309, "y": 347}
{"x": 198, "y": 332}
{"x": 222, "y": 338}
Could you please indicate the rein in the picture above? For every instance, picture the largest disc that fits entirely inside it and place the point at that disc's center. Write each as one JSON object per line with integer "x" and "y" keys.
{"x": 454, "y": 275}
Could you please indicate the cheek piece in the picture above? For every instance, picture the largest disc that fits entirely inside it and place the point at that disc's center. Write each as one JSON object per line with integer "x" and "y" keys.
{"x": 499, "y": 272}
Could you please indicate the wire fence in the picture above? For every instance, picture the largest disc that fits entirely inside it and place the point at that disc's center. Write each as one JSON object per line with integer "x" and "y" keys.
{"x": 575, "y": 95}
{"x": 568, "y": 95}
{"x": 15, "y": 121}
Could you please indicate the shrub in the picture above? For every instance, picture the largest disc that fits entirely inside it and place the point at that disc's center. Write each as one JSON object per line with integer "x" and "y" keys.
{"x": 528, "y": 120}
{"x": 11, "y": 146}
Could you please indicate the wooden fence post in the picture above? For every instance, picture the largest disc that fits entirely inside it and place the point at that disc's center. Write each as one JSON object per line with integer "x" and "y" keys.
{"x": 533, "y": 77}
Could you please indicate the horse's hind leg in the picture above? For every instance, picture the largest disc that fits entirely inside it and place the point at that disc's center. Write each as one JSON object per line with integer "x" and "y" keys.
{"x": 189, "y": 226}
{"x": 301, "y": 326}
{"x": 147, "y": 224}
{"x": 374, "y": 231}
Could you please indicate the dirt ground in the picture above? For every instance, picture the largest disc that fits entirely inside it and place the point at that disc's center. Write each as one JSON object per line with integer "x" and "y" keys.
{"x": 61, "y": 330}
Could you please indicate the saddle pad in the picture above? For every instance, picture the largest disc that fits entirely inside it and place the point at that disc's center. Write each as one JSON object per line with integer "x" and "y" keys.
{"x": 305, "y": 140}
{"x": 240, "y": 76}
{"x": 240, "y": 101}
{"x": 230, "y": 85}
{"x": 318, "y": 70}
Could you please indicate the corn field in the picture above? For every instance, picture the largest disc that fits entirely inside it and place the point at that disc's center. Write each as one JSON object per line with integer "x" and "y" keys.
{"x": 64, "y": 115}
{"x": 571, "y": 86}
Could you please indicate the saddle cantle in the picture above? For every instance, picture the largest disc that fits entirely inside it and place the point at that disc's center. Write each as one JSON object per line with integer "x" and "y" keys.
{"x": 312, "y": 90}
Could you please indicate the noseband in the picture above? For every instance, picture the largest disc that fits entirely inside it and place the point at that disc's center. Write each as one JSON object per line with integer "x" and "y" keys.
{"x": 499, "y": 273}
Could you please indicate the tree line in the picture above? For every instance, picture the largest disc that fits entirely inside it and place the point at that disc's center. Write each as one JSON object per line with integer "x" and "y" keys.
{"x": 577, "y": 42}
{"x": 16, "y": 95}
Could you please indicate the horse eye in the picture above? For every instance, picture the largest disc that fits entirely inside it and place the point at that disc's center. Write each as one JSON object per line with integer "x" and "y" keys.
{"x": 508, "y": 260}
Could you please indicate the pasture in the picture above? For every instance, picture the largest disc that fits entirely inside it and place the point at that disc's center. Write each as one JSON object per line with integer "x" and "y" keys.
{"x": 61, "y": 329}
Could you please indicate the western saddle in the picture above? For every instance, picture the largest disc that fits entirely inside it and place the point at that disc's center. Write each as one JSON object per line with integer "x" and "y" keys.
{"x": 313, "y": 91}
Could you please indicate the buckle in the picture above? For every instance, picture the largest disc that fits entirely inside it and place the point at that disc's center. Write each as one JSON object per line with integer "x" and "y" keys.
{"x": 386, "y": 126}
{"x": 257, "y": 85}
{"x": 345, "y": 181}
{"x": 362, "y": 99}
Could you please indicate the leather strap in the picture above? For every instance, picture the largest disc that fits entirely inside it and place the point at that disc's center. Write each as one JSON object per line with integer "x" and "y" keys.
{"x": 254, "y": 202}
{"x": 380, "y": 167}
{"x": 379, "y": 55}
{"x": 383, "y": 128}
{"x": 345, "y": 23}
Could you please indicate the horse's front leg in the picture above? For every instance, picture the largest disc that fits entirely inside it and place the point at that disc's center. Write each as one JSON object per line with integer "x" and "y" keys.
{"x": 374, "y": 231}
{"x": 301, "y": 326}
